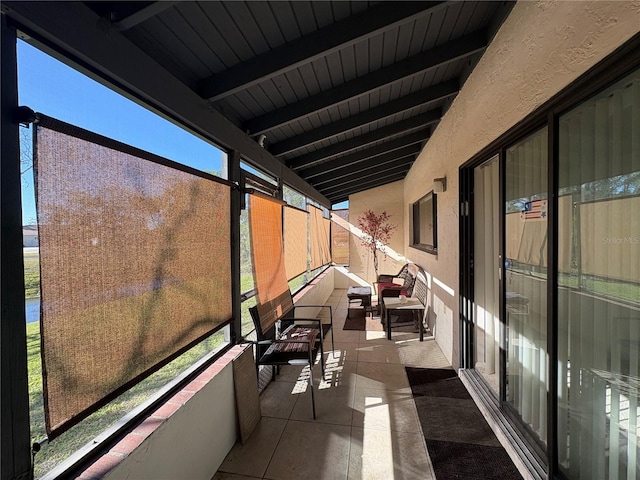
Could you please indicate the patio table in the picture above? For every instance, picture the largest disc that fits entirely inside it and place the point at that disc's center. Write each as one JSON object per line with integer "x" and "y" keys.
{"x": 412, "y": 304}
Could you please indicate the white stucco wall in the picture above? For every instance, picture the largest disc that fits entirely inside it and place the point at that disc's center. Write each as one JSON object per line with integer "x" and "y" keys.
{"x": 540, "y": 49}
{"x": 386, "y": 198}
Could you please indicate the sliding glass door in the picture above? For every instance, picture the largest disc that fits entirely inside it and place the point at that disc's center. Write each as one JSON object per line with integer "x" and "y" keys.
{"x": 599, "y": 285}
{"x": 525, "y": 282}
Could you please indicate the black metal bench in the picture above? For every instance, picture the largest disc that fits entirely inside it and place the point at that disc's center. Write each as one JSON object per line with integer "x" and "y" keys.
{"x": 287, "y": 340}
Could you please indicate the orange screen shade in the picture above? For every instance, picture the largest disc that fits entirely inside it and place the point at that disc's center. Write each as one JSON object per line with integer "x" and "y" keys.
{"x": 319, "y": 235}
{"x": 340, "y": 237}
{"x": 273, "y": 295}
{"x": 295, "y": 241}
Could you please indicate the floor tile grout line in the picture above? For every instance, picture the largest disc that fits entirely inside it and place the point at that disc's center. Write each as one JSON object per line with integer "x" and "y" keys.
{"x": 286, "y": 423}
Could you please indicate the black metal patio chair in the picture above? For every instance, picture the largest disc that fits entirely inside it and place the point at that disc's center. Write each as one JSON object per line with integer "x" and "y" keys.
{"x": 288, "y": 341}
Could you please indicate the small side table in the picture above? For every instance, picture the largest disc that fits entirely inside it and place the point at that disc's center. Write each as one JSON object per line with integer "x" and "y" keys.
{"x": 361, "y": 294}
{"x": 413, "y": 305}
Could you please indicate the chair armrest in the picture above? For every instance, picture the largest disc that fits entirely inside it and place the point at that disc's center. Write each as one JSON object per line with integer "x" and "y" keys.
{"x": 295, "y": 319}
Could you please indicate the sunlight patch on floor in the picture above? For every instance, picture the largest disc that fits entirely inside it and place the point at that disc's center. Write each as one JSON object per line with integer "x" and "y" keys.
{"x": 378, "y": 442}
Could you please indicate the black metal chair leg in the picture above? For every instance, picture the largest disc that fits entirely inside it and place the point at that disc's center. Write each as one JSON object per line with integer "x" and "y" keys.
{"x": 322, "y": 355}
{"x": 313, "y": 400}
{"x": 333, "y": 346}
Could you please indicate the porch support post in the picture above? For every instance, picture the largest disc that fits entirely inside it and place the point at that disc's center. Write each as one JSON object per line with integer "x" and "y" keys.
{"x": 234, "y": 175}
{"x": 15, "y": 461}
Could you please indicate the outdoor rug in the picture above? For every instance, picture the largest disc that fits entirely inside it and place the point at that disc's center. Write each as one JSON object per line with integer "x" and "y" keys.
{"x": 459, "y": 441}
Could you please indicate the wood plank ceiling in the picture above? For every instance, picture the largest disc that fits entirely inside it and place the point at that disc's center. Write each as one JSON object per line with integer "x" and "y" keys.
{"x": 343, "y": 93}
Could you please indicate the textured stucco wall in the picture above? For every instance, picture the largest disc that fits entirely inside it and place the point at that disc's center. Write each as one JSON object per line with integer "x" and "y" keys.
{"x": 540, "y": 49}
{"x": 386, "y": 198}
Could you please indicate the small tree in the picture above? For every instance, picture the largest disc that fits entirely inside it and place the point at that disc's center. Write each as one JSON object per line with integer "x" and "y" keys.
{"x": 377, "y": 233}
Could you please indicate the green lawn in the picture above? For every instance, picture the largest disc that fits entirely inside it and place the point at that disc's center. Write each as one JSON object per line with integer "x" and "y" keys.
{"x": 621, "y": 290}
{"x": 247, "y": 322}
{"x": 626, "y": 291}
{"x": 34, "y": 365}
{"x": 246, "y": 282}
{"x": 31, "y": 275}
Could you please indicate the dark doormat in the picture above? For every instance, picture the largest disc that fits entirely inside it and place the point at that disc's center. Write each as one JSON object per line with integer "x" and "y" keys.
{"x": 460, "y": 442}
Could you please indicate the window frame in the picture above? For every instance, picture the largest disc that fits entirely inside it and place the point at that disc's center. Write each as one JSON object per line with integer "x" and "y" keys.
{"x": 416, "y": 241}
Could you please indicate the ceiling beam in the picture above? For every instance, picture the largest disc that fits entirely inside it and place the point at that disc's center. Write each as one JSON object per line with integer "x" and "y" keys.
{"x": 338, "y": 200}
{"x": 323, "y": 154}
{"x": 386, "y": 110}
{"x": 312, "y": 46}
{"x": 404, "y": 148}
{"x": 362, "y": 186}
{"x": 379, "y": 170}
{"x": 142, "y": 15}
{"x": 371, "y": 163}
{"x": 417, "y": 137}
{"x": 336, "y": 128}
{"x": 72, "y": 32}
{"x": 430, "y": 59}
{"x": 392, "y": 173}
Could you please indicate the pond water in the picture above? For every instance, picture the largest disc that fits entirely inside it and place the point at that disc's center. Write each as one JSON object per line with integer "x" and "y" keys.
{"x": 32, "y": 309}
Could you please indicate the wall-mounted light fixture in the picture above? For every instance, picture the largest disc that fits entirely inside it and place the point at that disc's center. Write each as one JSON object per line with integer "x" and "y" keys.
{"x": 261, "y": 138}
{"x": 440, "y": 184}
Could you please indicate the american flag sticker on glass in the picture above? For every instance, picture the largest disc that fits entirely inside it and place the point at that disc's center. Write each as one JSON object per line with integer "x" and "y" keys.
{"x": 535, "y": 210}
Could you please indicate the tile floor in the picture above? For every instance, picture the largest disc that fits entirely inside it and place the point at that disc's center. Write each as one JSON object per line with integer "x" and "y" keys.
{"x": 367, "y": 425}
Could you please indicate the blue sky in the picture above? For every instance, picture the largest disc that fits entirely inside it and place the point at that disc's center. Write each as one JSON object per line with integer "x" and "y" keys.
{"x": 54, "y": 89}
{"x": 50, "y": 87}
